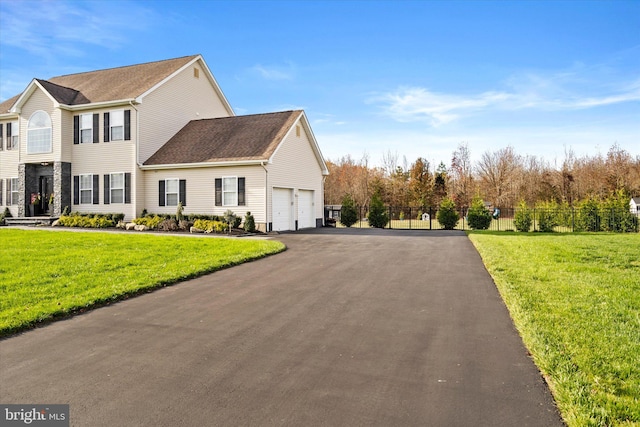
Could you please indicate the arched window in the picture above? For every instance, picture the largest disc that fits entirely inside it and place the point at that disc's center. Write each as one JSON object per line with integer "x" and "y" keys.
{"x": 39, "y": 133}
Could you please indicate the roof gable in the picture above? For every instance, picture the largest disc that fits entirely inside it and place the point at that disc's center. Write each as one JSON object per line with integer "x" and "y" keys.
{"x": 226, "y": 139}
{"x": 121, "y": 84}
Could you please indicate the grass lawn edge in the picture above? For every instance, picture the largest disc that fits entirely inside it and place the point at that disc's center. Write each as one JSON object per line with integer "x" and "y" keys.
{"x": 11, "y": 331}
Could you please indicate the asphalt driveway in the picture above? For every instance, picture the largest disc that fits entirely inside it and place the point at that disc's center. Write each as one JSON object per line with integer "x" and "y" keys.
{"x": 345, "y": 328}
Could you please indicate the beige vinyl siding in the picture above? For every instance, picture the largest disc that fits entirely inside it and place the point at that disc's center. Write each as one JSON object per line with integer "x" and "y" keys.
{"x": 105, "y": 158}
{"x": 168, "y": 108}
{"x": 201, "y": 190}
{"x": 294, "y": 165}
{"x": 9, "y": 160}
{"x": 40, "y": 101}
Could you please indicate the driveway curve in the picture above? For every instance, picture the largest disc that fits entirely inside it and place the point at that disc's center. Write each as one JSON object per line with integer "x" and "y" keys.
{"x": 345, "y": 328}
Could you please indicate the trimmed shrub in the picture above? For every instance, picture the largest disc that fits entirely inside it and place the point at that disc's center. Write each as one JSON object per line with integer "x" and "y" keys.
{"x": 616, "y": 215}
{"x": 547, "y": 213}
{"x": 522, "y": 219}
{"x": 348, "y": 213}
{"x": 447, "y": 215}
{"x": 588, "y": 215}
{"x": 249, "y": 223}
{"x": 151, "y": 221}
{"x": 210, "y": 226}
{"x": 86, "y": 221}
{"x": 378, "y": 214}
{"x": 478, "y": 217}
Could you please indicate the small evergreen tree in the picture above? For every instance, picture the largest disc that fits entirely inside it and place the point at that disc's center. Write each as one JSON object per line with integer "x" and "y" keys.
{"x": 479, "y": 217}
{"x": 447, "y": 215}
{"x": 249, "y": 223}
{"x": 348, "y": 213}
{"x": 547, "y": 216}
{"x": 522, "y": 220}
{"x": 588, "y": 215}
{"x": 378, "y": 215}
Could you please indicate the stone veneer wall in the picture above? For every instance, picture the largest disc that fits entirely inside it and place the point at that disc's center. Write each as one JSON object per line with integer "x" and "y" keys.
{"x": 61, "y": 187}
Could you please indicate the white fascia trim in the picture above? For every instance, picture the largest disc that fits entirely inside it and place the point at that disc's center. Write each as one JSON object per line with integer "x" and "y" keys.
{"x": 202, "y": 165}
{"x": 315, "y": 146}
{"x": 302, "y": 119}
{"x": 213, "y": 81}
{"x": 94, "y": 105}
{"x": 31, "y": 87}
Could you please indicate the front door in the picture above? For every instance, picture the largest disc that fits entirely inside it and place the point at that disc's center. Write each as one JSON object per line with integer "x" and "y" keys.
{"x": 44, "y": 189}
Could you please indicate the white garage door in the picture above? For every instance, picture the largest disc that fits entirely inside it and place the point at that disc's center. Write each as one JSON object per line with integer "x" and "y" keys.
{"x": 281, "y": 206}
{"x": 306, "y": 217}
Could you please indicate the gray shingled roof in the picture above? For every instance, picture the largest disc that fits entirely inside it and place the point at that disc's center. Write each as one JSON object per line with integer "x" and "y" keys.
{"x": 252, "y": 137}
{"x": 112, "y": 84}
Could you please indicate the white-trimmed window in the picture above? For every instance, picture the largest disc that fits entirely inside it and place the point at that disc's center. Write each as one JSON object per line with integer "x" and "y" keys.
{"x": 13, "y": 135}
{"x": 39, "y": 133}
{"x": 13, "y": 191}
{"x": 116, "y": 187}
{"x": 86, "y": 128}
{"x": 230, "y": 191}
{"x": 86, "y": 189}
{"x": 172, "y": 189}
{"x": 116, "y": 125}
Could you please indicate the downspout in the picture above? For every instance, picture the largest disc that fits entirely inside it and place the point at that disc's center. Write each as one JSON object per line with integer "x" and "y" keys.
{"x": 138, "y": 171}
{"x": 266, "y": 195}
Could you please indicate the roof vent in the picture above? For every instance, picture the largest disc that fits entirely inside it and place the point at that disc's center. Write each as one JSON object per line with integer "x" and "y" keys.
{"x": 196, "y": 73}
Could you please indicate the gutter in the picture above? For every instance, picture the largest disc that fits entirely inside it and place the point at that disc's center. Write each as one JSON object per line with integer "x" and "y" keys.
{"x": 203, "y": 164}
{"x": 266, "y": 197}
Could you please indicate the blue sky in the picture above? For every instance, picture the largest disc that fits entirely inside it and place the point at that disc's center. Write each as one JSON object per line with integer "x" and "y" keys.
{"x": 414, "y": 78}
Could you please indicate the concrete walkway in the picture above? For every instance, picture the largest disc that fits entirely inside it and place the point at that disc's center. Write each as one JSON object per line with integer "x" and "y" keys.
{"x": 346, "y": 328}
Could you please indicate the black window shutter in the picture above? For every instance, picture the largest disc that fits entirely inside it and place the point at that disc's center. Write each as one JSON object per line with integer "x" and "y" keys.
{"x": 127, "y": 125}
{"x": 182, "y": 192}
{"x": 76, "y": 130}
{"x": 8, "y": 136}
{"x": 1, "y": 190}
{"x": 107, "y": 189}
{"x": 241, "y": 201}
{"x": 96, "y": 128}
{"x": 76, "y": 189}
{"x": 106, "y": 127}
{"x": 96, "y": 189}
{"x": 127, "y": 187}
{"x": 1, "y": 138}
{"x": 218, "y": 191}
{"x": 161, "y": 193}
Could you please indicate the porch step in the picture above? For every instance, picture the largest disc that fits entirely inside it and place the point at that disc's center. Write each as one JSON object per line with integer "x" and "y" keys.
{"x": 31, "y": 220}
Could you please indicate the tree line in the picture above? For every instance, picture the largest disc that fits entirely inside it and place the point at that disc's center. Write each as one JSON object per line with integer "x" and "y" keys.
{"x": 502, "y": 178}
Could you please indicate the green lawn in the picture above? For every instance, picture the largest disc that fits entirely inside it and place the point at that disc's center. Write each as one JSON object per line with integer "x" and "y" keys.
{"x": 45, "y": 274}
{"x": 575, "y": 298}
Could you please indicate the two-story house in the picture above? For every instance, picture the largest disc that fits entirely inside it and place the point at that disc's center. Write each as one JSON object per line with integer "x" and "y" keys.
{"x": 150, "y": 136}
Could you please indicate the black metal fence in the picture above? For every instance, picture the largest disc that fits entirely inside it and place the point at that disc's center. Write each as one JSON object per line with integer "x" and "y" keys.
{"x": 503, "y": 219}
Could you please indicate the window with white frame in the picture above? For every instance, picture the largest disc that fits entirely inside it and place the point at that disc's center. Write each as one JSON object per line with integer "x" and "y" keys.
{"x": 13, "y": 137}
{"x": 116, "y": 183}
{"x": 39, "y": 133}
{"x": 13, "y": 191}
{"x": 86, "y": 189}
{"x": 172, "y": 190}
{"x": 86, "y": 128}
{"x": 230, "y": 191}
{"x": 116, "y": 125}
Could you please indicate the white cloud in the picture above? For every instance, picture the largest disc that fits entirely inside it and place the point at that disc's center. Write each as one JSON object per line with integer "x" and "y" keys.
{"x": 561, "y": 92}
{"x": 274, "y": 72}
{"x": 52, "y": 28}
{"x": 419, "y": 104}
